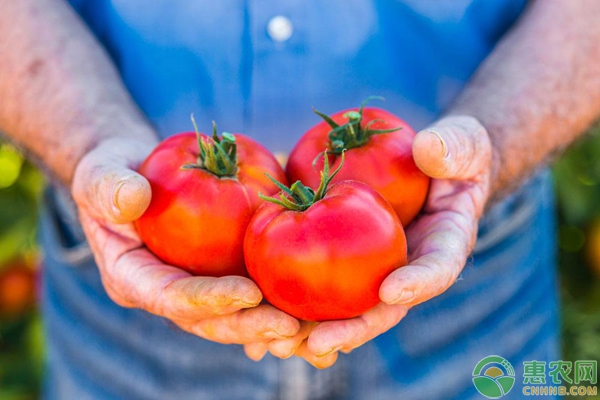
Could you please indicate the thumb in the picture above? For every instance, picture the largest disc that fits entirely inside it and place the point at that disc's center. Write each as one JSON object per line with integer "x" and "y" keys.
{"x": 453, "y": 148}
{"x": 106, "y": 187}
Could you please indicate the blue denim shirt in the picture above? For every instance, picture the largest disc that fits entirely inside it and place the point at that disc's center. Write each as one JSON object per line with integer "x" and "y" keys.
{"x": 258, "y": 67}
{"x": 218, "y": 59}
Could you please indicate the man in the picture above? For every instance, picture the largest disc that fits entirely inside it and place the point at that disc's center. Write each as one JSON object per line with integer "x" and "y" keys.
{"x": 257, "y": 68}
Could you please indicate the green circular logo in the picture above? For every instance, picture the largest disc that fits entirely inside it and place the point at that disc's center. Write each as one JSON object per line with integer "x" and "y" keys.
{"x": 493, "y": 377}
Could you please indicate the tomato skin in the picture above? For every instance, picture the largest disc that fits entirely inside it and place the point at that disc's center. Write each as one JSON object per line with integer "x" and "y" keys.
{"x": 385, "y": 162}
{"x": 326, "y": 262}
{"x": 196, "y": 220}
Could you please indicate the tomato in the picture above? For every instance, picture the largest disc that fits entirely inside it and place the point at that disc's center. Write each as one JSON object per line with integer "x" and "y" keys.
{"x": 322, "y": 255}
{"x": 17, "y": 288}
{"x": 379, "y": 153}
{"x": 204, "y": 192}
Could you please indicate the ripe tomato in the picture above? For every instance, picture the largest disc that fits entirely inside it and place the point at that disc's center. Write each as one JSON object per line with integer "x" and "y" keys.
{"x": 323, "y": 255}
{"x": 17, "y": 288}
{"x": 204, "y": 192}
{"x": 379, "y": 153}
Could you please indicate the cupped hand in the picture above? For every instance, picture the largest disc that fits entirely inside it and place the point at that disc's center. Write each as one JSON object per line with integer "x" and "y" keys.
{"x": 110, "y": 195}
{"x": 456, "y": 152}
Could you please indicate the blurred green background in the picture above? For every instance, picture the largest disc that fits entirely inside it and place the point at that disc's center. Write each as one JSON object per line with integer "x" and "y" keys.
{"x": 21, "y": 350}
{"x": 577, "y": 176}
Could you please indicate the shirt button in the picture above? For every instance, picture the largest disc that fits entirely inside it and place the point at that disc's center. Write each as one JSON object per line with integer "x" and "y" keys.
{"x": 280, "y": 28}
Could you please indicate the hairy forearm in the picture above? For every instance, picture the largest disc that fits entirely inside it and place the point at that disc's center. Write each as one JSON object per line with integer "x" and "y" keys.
{"x": 539, "y": 89}
{"x": 59, "y": 92}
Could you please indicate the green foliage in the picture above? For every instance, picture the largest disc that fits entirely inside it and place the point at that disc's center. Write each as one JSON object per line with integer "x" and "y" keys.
{"x": 20, "y": 186}
{"x": 577, "y": 176}
{"x": 21, "y": 357}
{"x": 21, "y": 344}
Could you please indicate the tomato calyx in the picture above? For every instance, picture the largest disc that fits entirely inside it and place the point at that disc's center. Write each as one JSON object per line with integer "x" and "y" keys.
{"x": 299, "y": 197}
{"x": 216, "y": 155}
{"x": 352, "y": 134}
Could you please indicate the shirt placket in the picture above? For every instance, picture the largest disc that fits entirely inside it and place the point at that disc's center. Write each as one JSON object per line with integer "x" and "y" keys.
{"x": 279, "y": 44}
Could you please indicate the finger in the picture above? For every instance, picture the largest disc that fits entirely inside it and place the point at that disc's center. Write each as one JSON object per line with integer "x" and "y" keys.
{"x": 105, "y": 185}
{"x": 345, "y": 335}
{"x": 112, "y": 192}
{"x": 255, "y": 351}
{"x": 206, "y": 306}
{"x": 219, "y": 296}
{"x": 318, "y": 362}
{"x": 285, "y": 348}
{"x": 259, "y": 324}
{"x": 454, "y": 148}
{"x": 134, "y": 277}
{"x": 441, "y": 244}
{"x": 142, "y": 280}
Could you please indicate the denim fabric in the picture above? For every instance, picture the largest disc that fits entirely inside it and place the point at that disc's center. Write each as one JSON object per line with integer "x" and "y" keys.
{"x": 504, "y": 303}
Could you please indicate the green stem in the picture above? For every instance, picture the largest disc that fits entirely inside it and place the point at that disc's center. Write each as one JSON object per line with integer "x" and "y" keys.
{"x": 299, "y": 197}
{"x": 215, "y": 155}
{"x": 352, "y": 134}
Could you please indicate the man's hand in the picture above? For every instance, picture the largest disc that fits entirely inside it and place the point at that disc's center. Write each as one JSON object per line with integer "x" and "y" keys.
{"x": 456, "y": 152}
{"x": 110, "y": 195}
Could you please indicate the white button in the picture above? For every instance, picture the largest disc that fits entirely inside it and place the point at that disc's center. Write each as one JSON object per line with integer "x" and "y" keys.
{"x": 280, "y": 28}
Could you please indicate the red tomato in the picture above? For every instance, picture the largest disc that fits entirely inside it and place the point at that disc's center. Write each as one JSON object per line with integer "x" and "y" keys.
{"x": 17, "y": 288}
{"x": 384, "y": 161}
{"x": 327, "y": 261}
{"x": 197, "y": 219}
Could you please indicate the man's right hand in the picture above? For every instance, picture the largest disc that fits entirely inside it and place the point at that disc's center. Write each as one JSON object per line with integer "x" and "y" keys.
{"x": 110, "y": 195}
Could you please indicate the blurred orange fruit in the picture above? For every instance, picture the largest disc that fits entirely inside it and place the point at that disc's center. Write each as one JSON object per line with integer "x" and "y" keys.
{"x": 17, "y": 289}
{"x": 593, "y": 246}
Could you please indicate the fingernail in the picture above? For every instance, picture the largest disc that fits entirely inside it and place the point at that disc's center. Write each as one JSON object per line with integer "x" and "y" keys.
{"x": 257, "y": 359}
{"x": 275, "y": 335}
{"x": 434, "y": 132}
{"x": 248, "y": 303}
{"x": 291, "y": 353}
{"x": 405, "y": 297}
{"x": 120, "y": 184}
{"x": 131, "y": 197}
{"x": 330, "y": 352}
